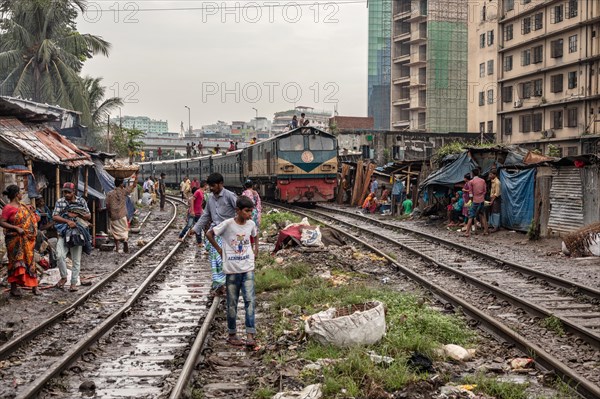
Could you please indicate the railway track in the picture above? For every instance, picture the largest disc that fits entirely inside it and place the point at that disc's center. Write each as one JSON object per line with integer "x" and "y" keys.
{"x": 152, "y": 313}
{"x": 560, "y": 326}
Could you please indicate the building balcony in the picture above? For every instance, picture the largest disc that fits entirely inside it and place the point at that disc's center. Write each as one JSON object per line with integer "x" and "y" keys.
{"x": 402, "y": 36}
{"x": 403, "y": 13}
{"x": 401, "y": 123}
{"x": 401, "y": 79}
{"x": 417, "y": 15}
{"x": 418, "y": 38}
{"x": 401, "y": 101}
{"x": 402, "y": 58}
{"x": 417, "y": 61}
{"x": 417, "y": 83}
{"x": 420, "y": 106}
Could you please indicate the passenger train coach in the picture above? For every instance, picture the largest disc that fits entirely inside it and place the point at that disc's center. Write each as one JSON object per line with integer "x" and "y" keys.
{"x": 296, "y": 166}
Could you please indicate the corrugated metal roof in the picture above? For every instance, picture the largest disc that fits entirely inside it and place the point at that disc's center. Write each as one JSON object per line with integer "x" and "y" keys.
{"x": 566, "y": 201}
{"x": 44, "y": 145}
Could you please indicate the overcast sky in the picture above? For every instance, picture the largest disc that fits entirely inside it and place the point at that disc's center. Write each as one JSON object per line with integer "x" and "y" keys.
{"x": 272, "y": 58}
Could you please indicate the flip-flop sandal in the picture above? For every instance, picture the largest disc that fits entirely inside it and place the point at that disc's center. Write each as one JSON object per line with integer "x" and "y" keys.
{"x": 235, "y": 341}
{"x": 73, "y": 289}
{"x": 252, "y": 345}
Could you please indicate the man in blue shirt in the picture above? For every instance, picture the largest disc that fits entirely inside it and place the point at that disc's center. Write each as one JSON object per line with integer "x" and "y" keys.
{"x": 397, "y": 190}
{"x": 220, "y": 206}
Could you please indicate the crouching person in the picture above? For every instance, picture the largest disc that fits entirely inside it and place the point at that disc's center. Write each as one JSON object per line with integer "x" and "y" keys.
{"x": 237, "y": 235}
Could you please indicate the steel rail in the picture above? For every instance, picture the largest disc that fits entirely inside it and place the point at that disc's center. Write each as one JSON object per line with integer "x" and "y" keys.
{"x": 14, "y": 344}
{"x": 91, "y": 337}
{"x": 580, "y": 384}
{"x": 557, "y": 281}
{"x": 190, "y": 362}
{"x": 587, "y": 334}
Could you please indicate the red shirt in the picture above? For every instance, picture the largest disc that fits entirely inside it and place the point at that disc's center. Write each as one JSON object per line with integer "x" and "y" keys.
{"x": 198, "y": 198}
{"x": 478, "y": 189}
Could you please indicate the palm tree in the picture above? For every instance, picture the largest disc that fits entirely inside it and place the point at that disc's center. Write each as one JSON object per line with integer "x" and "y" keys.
{"x": 41, "y": 52}
{"x": 99, "y": 108}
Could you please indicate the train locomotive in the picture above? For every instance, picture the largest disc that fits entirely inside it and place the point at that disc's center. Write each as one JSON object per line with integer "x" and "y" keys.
{"x": 298, "y": 166}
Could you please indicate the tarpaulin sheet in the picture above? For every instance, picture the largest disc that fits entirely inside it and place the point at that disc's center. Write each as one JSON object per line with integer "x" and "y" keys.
{"x": 517, "y": 199}
{"x": 452, "y": 173}
{"x": 106, "y": 180}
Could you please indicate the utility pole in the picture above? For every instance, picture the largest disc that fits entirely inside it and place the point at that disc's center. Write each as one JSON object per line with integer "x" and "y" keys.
{"x": 189, "y": 120}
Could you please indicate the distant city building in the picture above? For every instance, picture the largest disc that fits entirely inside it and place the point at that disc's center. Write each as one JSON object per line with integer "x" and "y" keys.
{"x": 318, "y": 119}
{"x": 144, "y": 123}
{"x": 219, "y": 129}
{"x": 261, "y": 124}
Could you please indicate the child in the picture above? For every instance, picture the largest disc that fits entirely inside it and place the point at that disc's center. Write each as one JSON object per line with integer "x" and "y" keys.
{"x": 238, "y": 266}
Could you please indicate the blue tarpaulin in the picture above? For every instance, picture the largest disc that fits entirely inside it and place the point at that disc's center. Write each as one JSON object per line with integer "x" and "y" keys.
{"x": 517, "y": 199}
{"x": 452, "y": 173}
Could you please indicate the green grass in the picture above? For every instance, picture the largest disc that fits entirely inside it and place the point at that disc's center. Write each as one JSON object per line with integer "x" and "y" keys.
{"x": 411, "y": 327}
{"x": 497, "y": 389}
{"x": 264, "y": 393}
{"x": 554, "y": 324}
{"x": 278, "y": 218}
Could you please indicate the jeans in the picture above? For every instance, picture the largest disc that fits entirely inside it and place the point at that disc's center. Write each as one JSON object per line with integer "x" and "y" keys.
{"x": 495, "y": 220}
{"x": 61, "y": 256}
{"x": 245, "y": 283}
{"x": 191, "y": 221}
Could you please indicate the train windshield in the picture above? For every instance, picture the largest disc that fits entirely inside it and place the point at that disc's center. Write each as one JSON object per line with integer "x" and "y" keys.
{"x": 318, "y": 142}
{"x": 292, "y": 143}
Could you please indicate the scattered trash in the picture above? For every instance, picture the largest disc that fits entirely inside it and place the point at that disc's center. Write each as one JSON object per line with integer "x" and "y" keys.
{"x": 455, "y": 392}
{"x": 456, "y": 352}
{"x": 87, "y": 385}
{"x": 310, "y": 392}
{"x": 378, "y": 359}
{"x": 355, "y": 325}
{"x": 583, "y": 242}
{"x": 420, "y": 363}
{"x": 385, "y": 280}
{"x": 311, "y": 237}
{"x": 279, "y": 260}
{"x": 521, "y": 363}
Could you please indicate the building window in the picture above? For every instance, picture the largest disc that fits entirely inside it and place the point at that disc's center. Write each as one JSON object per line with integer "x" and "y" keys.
{"x": 482, "y": 70}
{"x": 572, "y": 44}
{"x": 490, "y": 37}
{"x": 526, "y": 90}
{"x": 556, "y": 14}
{"x": 490, "y": 126}
{"x": 557, "y": 119}
{"x": 536, "y": 122}
{"x": 556, "y": 48}
{"x": 508, "y": 65}
{"x": 526, "y": 57}
{"x": 572, "y": 151}
{"x": 556, "y": 83}
{"x": 538, "y": 21}
{"x": 508, "y": 33}
{"x": 571, "y": 9}
{"x": 572, "y": 117}
{"x": 572, "y": 79}
{"x": 526, "y": 1}
{"x": 538, "y": 54}
{"x": 483, "y": 13}
{"x": 507, "y": 126}
{"x": 526, "y": 25}
{"x": 482, "y": 40}
{"x": 507, "y": 94}
{"x": 481, "y": 127}
{"x": 490, "y": 67}
{"x": 509, "y": 5}
{"x": 537, "y": 88}
{"x": 525, "y": 124}
{"x": 481, "y": 98}
{"x": 490, "y": 96}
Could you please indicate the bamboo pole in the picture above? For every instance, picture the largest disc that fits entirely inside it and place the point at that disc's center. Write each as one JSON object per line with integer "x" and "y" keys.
{"x": 30, "y": 167}
{"x": 94, "y": 223}
{"x": 57, "y": 195}
{"x": 85, "y": 183}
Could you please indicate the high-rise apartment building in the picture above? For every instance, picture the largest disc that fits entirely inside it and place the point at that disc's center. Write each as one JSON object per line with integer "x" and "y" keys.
{"x": 144, "y": 124}
{"x": 429, "y": 65}
{"x": 548, "y": 74}
{"x": 483, "y": 66}
{"x": 379, "y": 59}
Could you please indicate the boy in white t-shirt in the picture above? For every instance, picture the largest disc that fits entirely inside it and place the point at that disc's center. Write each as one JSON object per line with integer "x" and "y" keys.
{"x": 237, "y": 235}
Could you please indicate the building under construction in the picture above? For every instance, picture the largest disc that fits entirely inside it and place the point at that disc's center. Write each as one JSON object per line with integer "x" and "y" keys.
{"x": 380, "y": 62}
{"x": 429, "y": 66}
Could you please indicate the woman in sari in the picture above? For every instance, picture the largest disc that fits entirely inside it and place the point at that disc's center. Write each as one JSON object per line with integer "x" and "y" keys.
{"x": 370, "y": 203}
{"x": 20, "y": 224}
{"x": 251, "y": 193}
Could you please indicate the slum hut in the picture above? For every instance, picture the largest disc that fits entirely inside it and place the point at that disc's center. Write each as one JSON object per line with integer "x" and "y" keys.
{"x": 47, "y": 160}
{"x": 566, "y": 196}
{"x": 516, "y": 177}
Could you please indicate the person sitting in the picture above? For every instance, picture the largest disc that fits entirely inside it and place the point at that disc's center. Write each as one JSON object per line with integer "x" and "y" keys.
{"x": 385, "y": 194}
{"x": 407, "y": 205}
{"x": 370, "y": 203}
{"x": 146, "y": 198}
{"x": 46, "y": 224}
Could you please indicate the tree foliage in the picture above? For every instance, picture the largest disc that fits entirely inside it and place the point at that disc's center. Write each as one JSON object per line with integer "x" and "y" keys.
{"x": 42, "y": 53}
{"x": 126, "y": 142}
